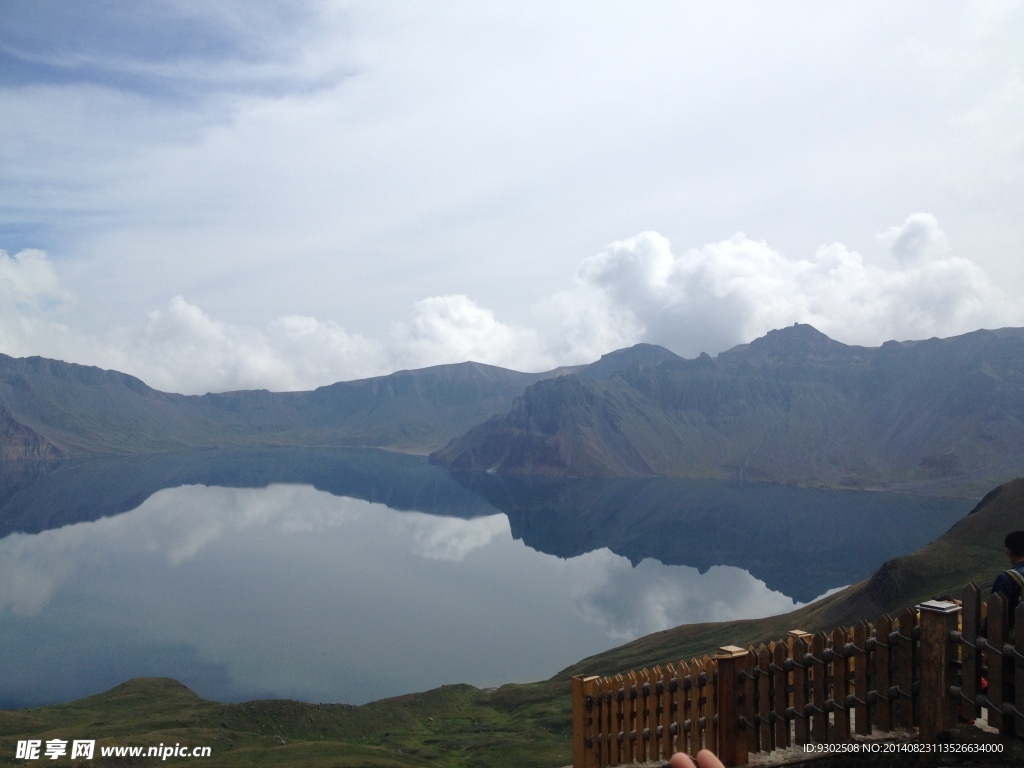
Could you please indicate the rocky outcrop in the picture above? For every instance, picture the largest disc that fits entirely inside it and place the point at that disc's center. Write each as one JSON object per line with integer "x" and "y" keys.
{"x": 20, "y": 443}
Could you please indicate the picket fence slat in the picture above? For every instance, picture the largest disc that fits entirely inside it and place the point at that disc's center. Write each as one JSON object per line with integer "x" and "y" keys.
{"x": 861, "y": 678}
{"x": 667, "y": 709}
{"x": 996, "y": 667}
{"x": 970, "y": 654}
{"x": 904, "y": 699}
{"x": 801, "y": 733}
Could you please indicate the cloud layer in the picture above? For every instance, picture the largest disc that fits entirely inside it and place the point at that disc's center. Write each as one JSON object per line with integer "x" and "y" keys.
{"x": 727, "y": 293}
{"x": 705, "y": 299}
{"x": 345, "y": 160}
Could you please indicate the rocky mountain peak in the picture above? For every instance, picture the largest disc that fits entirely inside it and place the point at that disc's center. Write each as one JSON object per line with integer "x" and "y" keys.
{"x": 799, "y": 343}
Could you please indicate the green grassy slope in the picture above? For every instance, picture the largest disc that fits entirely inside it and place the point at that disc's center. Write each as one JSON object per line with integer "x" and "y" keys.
{"x": 451, "y": 726}
{"x": 515, "y": 725}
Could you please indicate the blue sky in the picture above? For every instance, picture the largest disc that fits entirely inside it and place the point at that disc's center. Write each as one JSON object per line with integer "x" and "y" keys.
{"x": 281, "y": 195}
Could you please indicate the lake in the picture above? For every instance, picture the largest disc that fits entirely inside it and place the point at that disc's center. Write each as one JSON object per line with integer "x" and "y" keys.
{"x": 348, "y": 576}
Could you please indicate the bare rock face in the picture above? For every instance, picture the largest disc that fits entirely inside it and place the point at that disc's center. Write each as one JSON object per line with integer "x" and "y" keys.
{"x": 20, "y": 443}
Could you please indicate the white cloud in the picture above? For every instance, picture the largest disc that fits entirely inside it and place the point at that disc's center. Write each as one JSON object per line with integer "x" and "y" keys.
{"x": 705, "y": 300}
{"x": 28, "y": 281}
{"x": 453, "y": 329}
{"x": 344, "y": 160}
{"x": 919, "y": 240}
{"x": 580, "y": 325}
{"x": 730, "y": 292}
{"x": 180, "y": 348}
{"x": 183, "y": 348}
{"x": 32, "y": 302}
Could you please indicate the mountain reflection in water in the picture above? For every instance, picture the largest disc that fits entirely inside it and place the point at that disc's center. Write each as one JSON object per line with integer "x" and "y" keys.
{"x": 801, "y": 542}
{"x": 352, "y": 575}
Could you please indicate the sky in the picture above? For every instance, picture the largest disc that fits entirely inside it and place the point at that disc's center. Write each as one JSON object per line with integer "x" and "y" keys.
{"x": 234, "y": 195}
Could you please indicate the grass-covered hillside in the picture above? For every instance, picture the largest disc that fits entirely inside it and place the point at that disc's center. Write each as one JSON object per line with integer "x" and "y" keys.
{"x": 515, "y": 725}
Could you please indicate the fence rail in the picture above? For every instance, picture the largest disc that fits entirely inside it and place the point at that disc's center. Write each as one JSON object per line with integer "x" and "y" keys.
{"x": 914, "y": 673}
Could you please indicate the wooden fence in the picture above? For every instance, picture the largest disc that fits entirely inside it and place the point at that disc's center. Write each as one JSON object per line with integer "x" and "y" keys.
{"x": 914, "y": 673}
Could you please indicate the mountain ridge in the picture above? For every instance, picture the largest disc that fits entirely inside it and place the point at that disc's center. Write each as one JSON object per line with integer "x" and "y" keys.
{"x": 793, "y": 406}
{"x": 51, "y": 409}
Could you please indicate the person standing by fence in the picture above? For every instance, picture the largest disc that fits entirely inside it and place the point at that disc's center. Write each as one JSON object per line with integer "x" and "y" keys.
{"x": 1010, "y": 583}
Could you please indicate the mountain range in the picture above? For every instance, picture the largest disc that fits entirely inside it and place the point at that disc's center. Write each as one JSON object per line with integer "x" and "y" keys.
{"x": 940, "y": 416}
{"x": 52, "y": 410}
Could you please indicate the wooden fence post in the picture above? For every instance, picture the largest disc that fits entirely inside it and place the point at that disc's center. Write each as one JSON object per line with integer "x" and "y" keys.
{"x": 583, "y": 721}
{"x": 939, "y": 618}
{"x": 732, "y": 739}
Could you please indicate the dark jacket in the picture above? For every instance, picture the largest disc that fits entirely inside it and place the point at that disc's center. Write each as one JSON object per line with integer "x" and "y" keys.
{"x": 1007, "y": 586}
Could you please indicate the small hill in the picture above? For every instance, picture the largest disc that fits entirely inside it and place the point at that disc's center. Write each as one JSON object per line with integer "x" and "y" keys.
{"x": 936, "y": 416}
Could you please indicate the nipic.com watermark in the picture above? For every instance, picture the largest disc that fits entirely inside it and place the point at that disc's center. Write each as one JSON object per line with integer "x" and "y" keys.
{"x": 85, "y": 749}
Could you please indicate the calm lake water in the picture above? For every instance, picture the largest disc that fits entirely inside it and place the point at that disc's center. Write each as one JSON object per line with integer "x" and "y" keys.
{"x": 350, "y": 576}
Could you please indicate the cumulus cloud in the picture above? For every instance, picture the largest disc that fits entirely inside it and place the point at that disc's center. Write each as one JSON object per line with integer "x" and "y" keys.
{"x": 705, "y": 299}
{"x": 452, "y": 329}
{"x": 581, "y": 324}
{"x": 184, "y": 349}
{"x": 29, "y": 281}
{"x": 32, "y": 303}
{"x": 920, "y": 239}
{"x": 179, "y": 348}
{"x": 729, "y": 292}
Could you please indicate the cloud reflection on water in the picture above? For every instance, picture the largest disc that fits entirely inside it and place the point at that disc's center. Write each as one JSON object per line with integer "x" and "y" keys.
{"x": 304, "y": 594}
